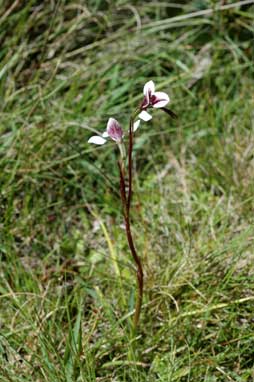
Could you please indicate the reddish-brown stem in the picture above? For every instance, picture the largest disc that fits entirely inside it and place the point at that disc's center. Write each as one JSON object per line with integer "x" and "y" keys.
{"x": 139, "y": 271}
{"x": 122, "y": 188}
{"x": 126, "y": 201}
{"x": 131, "y": 246}
{"x": 130, "y": 150}
{"x": 130, "y": 163}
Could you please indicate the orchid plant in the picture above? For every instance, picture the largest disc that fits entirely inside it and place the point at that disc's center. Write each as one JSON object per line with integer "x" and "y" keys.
{"x": 152, "y": 99}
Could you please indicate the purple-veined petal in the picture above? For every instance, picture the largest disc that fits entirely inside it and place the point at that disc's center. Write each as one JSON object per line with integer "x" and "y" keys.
{"x": 136, "y": 125}
{"x": 145, "y": 116}
{"x": 114, "y": 130}
{"x": 145, "y": 102}
{"x": 149, "y": 88}
{"x": 160, "y": 99}
{"x": 97, "y": 140}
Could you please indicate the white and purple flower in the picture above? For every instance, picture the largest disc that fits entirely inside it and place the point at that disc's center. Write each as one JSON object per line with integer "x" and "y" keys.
{"x": 152, "y": 99}
{"x": 113, "y": 130}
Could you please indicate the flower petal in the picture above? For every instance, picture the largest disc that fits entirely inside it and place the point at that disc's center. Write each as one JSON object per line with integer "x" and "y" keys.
{"x": 149, "y": 88}
{"x": 105, "y": 134}
{"x": 145, "y": 102}
{"x": 145, "y": 116}
{"x": 97, "y": 140}
{"x": 160, "y": 99}
{"x": 114, "y": 130}
{"x": 136, "y": 125}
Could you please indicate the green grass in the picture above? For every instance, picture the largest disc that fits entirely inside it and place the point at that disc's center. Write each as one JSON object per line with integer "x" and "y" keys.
{"x": 67, "y": 282}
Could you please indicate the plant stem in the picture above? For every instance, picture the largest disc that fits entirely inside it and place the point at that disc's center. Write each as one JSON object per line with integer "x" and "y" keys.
{"x": 130, "y": 150}
{"x": 126, "y": 201}
{"x": 130, "y": 162}
{"x": 139, "y": 272}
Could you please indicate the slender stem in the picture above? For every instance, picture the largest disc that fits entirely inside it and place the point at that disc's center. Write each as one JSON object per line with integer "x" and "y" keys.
{"x": 126, "y": 201}
{"x": 139, "y": 272}
{"x": 122, "y": 187}
{"x": 130, "y": 149}
{"x": 132, "y": 247}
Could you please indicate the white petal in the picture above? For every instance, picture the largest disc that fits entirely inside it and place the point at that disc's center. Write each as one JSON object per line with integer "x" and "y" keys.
{"x": 145, "y": 116}
{"x": 136, "y": 125}
{"x": 105, "y": 134}
{"x": 97, "y": 140}
{"x": 163, "y": 99}
{"x": 149, "y": 87}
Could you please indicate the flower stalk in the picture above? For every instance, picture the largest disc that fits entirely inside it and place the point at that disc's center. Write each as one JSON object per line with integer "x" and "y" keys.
{"x": 126, "y": 202}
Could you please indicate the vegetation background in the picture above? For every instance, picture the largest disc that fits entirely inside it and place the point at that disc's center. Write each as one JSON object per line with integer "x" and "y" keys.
{"x": 67, "y": 283}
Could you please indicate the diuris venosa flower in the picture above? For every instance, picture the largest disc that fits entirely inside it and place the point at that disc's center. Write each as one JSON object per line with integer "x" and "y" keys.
{"x": 113, "y": 130}
{"x": 152, "y": 99}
